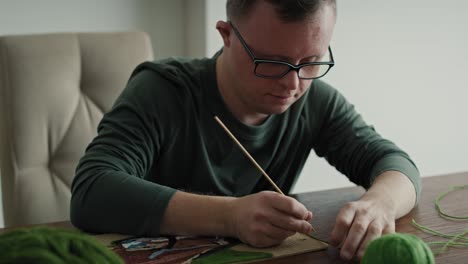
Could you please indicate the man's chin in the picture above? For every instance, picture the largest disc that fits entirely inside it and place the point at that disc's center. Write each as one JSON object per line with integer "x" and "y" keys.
{"x": 277, "y": 110}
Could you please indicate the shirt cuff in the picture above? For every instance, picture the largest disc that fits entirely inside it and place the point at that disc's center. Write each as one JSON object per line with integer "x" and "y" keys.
{"x": 400, "y": 164}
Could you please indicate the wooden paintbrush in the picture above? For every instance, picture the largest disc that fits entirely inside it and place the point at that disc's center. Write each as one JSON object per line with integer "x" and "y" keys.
{"x": 250, "y": 157}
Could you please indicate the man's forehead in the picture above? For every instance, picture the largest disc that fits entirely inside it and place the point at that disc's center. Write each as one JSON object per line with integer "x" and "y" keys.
{"x": 287, "y": 41}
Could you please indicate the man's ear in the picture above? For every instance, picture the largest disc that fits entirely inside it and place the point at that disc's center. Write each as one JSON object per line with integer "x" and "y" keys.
{"x": 224, "y": 29}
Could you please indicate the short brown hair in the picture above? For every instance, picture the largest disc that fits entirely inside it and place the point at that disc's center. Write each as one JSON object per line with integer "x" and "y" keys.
{"x": 287, "y": 10}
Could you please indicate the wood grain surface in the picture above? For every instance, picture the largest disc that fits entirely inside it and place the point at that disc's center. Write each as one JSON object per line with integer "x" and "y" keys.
{"x": 326, "y": 204}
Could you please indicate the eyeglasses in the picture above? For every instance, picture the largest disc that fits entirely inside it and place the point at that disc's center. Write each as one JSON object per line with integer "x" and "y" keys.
{"x": 274, "y": 69}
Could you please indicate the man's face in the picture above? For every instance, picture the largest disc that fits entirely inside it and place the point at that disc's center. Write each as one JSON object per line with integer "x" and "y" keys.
{"x": 270, "y": 38}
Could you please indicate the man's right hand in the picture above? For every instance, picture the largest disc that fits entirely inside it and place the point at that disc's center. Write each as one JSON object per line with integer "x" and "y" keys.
{"x": 267, "y": 218}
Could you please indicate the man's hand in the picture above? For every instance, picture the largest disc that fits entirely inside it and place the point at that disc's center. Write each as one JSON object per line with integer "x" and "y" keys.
{"x": 391, "y": 196}
{"x": 267, "y": 218}
{"x": 360, "y": 222}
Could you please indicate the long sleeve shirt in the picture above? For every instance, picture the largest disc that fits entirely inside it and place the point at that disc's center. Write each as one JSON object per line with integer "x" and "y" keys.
{"x": 161, "y": 136}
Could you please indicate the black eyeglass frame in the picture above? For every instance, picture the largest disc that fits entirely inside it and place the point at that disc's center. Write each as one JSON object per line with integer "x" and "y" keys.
{"x": 296, "y": 68}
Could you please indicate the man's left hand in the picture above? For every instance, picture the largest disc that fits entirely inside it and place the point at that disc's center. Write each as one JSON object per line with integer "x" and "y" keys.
{"x": 360, "y": 222}
{"x": 391, "y": 196}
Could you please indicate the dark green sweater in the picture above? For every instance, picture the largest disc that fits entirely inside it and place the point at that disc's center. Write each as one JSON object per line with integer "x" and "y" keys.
{"x": 161, "y": 136}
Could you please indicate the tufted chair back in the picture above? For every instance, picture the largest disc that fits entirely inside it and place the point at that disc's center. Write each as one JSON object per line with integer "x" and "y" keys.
{"x": 54, "y": 89}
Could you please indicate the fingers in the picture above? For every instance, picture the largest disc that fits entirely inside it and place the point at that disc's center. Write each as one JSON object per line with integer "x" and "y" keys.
{"x": 292, "y": 207}
{"x": 356, "y": 227}
{"x": 309, "y": 216}
{"x": 290, "y": 223}
{"x": 278, "y": 233}
{"x": 373, "y": 231}
{"x": 267, "y": 218}
{"x": 390, "y": 228}
{"x": 291, "y": 215}
{"x": 266, "y": 233}
{"x": 342, "y": 225}
{"x": 359, "y": 229}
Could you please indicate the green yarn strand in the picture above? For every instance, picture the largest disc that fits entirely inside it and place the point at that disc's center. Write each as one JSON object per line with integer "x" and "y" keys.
{"x": 439, "y": 210}
{"x": 436, "y": 233}
{"x": 452, "y": 238}
{"x": 450, "y": 242}
{"x": 455, "y": 240}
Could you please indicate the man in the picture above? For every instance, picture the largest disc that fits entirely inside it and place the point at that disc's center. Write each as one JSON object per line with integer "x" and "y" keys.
{"x": 161, "y": 163}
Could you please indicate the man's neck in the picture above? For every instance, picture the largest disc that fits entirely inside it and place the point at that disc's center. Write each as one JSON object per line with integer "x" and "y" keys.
{"x": 227, "y": 91}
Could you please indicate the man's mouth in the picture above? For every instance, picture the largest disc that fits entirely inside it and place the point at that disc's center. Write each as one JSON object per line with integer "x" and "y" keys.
{"x": 283, "y": 99}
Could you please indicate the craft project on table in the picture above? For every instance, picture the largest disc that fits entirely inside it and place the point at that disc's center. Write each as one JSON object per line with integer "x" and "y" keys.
{"x": 203, "y": 250}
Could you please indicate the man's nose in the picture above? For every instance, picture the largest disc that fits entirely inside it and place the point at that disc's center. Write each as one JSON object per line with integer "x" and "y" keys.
{"x": 291, "y": 80}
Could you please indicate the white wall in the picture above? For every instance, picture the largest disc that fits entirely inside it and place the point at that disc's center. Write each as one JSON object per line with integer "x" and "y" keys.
{"x": 195, "y": 28}
{"x": 215, "y": 11}
{"x": 201, "y": 34}
{"x": 403, "y": 64}
{"x": 161, "y": 18}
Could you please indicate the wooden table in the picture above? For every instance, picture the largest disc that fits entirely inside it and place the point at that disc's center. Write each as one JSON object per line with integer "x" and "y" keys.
{"x": 326, "y": 204}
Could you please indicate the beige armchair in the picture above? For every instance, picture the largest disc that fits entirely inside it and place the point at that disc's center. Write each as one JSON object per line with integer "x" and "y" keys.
{"x": 54, "y": 89}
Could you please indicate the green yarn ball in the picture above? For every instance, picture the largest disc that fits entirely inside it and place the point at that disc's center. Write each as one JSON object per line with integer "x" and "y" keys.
{"x": 398, "y": 248}
{"x": 53, "y": 246}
